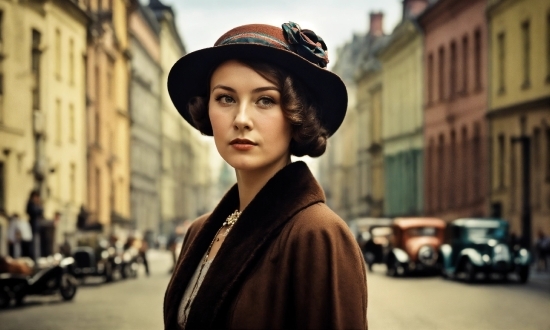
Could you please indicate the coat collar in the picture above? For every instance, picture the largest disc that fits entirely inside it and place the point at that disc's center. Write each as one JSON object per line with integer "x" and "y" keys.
{"x": 288, "y": 192}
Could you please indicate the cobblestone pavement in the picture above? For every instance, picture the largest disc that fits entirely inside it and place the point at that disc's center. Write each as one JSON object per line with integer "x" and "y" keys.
{"x": 408, "y": 303}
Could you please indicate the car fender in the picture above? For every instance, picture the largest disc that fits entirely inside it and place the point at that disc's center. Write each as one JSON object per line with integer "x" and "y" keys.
{"x": 400, "y": 255}
{"x": 472, "y": 255}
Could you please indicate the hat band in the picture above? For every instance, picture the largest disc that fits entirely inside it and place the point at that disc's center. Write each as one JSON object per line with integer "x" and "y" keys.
{"x": 254, "y": 38}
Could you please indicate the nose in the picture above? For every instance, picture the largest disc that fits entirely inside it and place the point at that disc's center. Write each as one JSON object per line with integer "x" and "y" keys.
{"x": 242, "y": 120}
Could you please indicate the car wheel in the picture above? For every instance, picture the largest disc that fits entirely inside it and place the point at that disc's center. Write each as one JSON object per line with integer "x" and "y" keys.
{"x": 67, "y": 287}
{"x": 469, "y": 271}
{"x": 5, "y": 299}
{"x": 523, "y": 274}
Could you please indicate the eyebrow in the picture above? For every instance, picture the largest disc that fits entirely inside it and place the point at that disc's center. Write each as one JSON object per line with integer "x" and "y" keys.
{"x": 256, "y": 90}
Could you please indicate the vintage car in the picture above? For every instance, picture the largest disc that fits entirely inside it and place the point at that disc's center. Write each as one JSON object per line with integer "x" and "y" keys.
{"x": 372, "y": 235}
{"x": 414, "y": 245}
{"x": 480, "y": 246}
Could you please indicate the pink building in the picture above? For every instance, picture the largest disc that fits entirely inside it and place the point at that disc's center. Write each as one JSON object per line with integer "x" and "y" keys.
{"x": 455, "y": 133}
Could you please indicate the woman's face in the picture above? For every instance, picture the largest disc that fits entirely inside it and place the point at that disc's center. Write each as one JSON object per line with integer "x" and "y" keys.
{"x": 250, "y": 130}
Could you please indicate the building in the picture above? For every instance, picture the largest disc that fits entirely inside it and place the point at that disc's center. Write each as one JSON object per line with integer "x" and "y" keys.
{"x": 42, "y": 107}
{"x": 369, "y": 101}
{"x": 402, "y": 120}
{"x": 343, "y": 170}
{"x": 146, "y": 128}
{"x": 108, "y": 119}
{"x": 185, "y": 163}
{"x": 455, "y": 94}
{"x": 519, "y": 106}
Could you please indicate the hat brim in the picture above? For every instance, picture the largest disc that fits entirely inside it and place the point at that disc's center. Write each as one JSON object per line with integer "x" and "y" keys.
{"x": 189, "y": 77}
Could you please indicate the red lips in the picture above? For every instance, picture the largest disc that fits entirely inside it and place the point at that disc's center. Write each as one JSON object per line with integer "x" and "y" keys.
{"x": 242, "y": 144}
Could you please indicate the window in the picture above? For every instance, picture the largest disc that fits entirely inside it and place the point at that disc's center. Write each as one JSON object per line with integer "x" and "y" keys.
{"x": 465, "y": 177}
{"x": 476, "y": 155}
{"x": 98, "y": 185}
{"x": 97, "y": 127}
{"x": 71, "y": 123}
{"x": 525, "y": 33}
{"x": 2, "y": 187}
{"x": 110, "y": 82}
{"x": 452, "y": 167}
{"x": 548, "y": 156}
{"x": 477, "y": 57}
{"x": 71, "y": 61}
{"x": 465, "y": 64}
{"x": 72, "y": 180}
{"x": 548, "y": 51}
{"x": 1, "y": 26}
{"x": 452, "y": 83}
{"x": 58, "y": 122}
{"x": 35, "y": 69}
{"x": 501, "y": 44}
{"x": 500, "y": 161}
{"x": 440, "y": 171}
{"x": 58, "y": 54}
{"x": 441, "y": 74}
{"x": 430, "y": 78}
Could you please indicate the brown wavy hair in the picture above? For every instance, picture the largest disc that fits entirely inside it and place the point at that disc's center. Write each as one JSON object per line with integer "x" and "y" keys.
{"x": 308, "y": 136}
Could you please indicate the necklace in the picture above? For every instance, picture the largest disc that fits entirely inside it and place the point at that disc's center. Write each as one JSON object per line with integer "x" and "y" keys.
{"x": 228, "y": 224}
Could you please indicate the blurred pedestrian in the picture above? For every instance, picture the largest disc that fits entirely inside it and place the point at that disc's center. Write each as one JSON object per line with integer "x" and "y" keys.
{"x": 19, "y": 237}
{"x": 271, "y": 254}
{"x": 82, "y": 218}
{"x": 542, "y": 247}
{"x": 36, "y": 215}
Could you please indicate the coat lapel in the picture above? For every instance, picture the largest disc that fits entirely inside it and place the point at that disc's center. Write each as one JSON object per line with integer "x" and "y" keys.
{"x": 292, "y": 189}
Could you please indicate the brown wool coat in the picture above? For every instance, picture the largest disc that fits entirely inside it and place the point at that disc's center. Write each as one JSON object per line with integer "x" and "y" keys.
{"x": 288, "y": 263}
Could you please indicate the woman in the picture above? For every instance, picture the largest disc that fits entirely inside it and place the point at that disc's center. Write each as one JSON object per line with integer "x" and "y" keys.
{"x": 271, "y": 254}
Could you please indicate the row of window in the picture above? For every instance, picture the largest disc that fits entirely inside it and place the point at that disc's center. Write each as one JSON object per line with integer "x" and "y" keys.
{"x": 456, "y": 65}
{"x": 453, "y": 170}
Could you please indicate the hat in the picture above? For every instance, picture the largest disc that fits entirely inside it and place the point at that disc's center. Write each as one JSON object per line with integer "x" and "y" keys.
{"x": 300, "y": 52}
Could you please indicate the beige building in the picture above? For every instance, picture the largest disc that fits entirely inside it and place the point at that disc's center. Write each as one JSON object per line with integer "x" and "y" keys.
{"x": 184, "y": 166}
{"x": 519, "y": 106}
{"x": 108, "y": 124}
{"x": 42, "y": 107}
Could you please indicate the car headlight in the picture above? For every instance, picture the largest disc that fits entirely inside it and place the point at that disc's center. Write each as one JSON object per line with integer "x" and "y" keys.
{"x": 501, "y": 253}
{"x": 486, "y": 258}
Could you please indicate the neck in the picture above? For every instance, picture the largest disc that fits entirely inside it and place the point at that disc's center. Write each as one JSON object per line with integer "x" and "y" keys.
{"x": 251, "y": 182}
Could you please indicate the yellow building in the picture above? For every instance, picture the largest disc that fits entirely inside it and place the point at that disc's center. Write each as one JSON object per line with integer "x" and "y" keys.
{"x": 42, "y": 107}
{"x": 519, "y": 105}
{"x": 108, "y": 123}
{"x": 369, "y": 98}
{"x": 402, "y": 123}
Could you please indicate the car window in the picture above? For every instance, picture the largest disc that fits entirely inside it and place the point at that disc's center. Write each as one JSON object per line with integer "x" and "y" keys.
{"x": 422, "y": 231}
{"x": 486, "y": 233}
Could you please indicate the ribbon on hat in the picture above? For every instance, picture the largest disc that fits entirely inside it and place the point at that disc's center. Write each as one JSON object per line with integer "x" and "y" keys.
{"x": 306, "y": 44}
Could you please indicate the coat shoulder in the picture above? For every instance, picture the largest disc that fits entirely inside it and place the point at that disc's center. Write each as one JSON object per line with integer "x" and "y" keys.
{"x": 319, "y": 217}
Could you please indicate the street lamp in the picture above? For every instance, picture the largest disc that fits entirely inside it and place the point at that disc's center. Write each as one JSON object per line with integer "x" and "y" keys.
{"x": 525, "y": 142}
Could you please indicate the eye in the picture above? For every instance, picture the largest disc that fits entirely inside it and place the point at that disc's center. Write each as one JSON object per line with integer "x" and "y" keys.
{"x": 225, "y": 99}
{"x": 265, "y": 102}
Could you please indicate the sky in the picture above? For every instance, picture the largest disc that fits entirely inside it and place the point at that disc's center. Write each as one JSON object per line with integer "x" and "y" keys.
{"x": 202, "y": 22}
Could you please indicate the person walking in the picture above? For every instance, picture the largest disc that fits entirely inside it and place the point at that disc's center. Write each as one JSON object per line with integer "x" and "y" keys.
{"x": 271, "y": 254}
{"x": 35, "y": 211}
{"x": 19, "y": 237}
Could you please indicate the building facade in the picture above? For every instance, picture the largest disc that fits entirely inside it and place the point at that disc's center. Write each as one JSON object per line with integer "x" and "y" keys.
{"x": 42, "y": 107}
{"x": 519, "y": 109}
{"x": 108, "y": 120}
{"x": 402, "y": 121}
{"x": 455, "y": 94}
{"x": 145, "y": 114}
{"x": 185, "y": 164}
{"x": 343, "y": 169}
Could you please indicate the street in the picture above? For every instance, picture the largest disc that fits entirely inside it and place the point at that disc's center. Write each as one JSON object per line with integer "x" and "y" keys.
{"x": 402, "y": 303}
